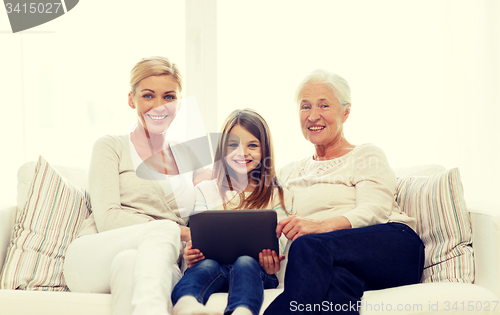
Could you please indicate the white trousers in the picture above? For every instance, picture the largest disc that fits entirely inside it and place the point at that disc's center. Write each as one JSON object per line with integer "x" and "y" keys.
{"x": 137, "y": 264}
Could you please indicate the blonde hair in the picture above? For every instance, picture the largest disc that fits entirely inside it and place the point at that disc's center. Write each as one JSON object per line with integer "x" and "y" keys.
{"x": 264, "y": 173}
{"x": 150, "y": 66}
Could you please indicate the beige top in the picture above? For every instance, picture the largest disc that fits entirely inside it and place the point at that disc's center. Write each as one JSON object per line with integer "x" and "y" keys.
{"x": 359, "y": 186}
{"x": 121, "y": 198}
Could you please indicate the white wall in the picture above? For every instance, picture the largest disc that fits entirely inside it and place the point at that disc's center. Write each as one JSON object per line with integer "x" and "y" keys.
{"x": 424, "y": 76}
{"x": 11, "y": 128}
{"x": 65, "y": 83}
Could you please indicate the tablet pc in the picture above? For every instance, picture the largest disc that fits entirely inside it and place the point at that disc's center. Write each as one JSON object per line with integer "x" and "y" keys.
{"x": 225, "y": 235}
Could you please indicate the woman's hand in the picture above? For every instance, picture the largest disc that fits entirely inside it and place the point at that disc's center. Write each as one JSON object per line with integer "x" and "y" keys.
{"x": 270, "y": 261}
{"x": 185, "y": 233}
{"x": 294, "y": 227}
{"x": 192, "y": 256}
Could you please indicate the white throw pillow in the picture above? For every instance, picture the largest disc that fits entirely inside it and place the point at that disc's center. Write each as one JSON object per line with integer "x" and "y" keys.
{"x": 443, "y": 224}
{"x": 75, "y": 175}
{"x": 43, "y": 230}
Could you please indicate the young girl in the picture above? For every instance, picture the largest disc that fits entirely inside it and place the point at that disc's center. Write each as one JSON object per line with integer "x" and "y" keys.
{"x": 244, "y": 179}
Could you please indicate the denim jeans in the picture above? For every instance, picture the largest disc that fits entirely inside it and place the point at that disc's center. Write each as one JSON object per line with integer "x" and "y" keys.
{"x": 245, "y": 281}
{"x": 332, "y": 270}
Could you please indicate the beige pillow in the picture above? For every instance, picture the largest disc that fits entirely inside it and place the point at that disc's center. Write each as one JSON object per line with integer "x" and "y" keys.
{"x": 43, "y": 230}
{"x": 443, "y": 224}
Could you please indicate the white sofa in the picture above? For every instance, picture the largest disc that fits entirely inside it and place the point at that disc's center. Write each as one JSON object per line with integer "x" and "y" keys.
{"x": 424, "y": 298}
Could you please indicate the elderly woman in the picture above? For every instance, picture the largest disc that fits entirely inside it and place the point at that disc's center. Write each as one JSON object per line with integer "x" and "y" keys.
{"x": 349, "y": 234}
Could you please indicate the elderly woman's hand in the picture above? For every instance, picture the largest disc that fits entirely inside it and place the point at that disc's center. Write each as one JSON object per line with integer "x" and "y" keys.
{"x": 294, "y": 227}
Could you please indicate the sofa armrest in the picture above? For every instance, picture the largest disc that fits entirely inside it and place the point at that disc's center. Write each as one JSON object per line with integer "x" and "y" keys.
{"x": 485, "y": 220}
{"x": 7, "y": 219}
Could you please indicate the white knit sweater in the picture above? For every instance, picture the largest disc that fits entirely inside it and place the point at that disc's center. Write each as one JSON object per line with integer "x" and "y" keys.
{"x": 359, "y": 186}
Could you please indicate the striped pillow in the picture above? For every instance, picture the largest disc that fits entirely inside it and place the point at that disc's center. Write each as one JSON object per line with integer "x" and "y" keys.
{"x": 43, "y": 230}
{"x": 437, "y": 202}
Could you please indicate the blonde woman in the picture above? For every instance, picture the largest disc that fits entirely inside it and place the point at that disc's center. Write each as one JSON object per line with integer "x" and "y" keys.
{"x": 139, "y": 186}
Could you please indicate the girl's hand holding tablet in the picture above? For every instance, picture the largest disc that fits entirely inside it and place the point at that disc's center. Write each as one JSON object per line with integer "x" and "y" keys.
{"x": 270, "y": 261}
{"x": 192, "y": 255}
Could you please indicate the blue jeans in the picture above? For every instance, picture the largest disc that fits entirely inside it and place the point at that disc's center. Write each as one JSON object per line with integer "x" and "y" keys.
{"x": 245, "y": 281}
{"x": 332, "y": 270}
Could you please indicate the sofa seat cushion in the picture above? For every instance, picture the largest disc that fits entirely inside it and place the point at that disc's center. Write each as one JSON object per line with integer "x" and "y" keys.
{"x": 422, "y": 298}
{"x": 432, "y": 298}
{"x": 218, "y": 301}
{"x": 54, "y": 303}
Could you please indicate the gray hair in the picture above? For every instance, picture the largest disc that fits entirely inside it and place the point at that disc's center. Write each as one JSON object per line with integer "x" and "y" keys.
{"x": 333, "y": 81}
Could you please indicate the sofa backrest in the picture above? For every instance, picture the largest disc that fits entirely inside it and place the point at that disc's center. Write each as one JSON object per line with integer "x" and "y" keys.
{"x": 419, "y": 170}
{"x": 77, "y": 176}
{"x": 7, "y": 218}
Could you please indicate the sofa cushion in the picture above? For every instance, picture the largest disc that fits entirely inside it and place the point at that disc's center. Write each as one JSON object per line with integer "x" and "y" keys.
{"x": 437, "y": 202}
{"x": 23, "y": 302}
{"x": 218, "y": 301}
{"x": 43, "y": 230}
{"x": 430, "y": 298}
{"x": 423, "y": 298}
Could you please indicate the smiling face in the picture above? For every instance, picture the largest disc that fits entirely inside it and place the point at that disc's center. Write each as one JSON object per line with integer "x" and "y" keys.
{"x": 321, "y": 115}
{"x": 243, "y": 150}
{"x": 156, "y": 100}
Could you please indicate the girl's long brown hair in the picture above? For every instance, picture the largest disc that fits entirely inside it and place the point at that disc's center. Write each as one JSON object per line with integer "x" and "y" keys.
{"x": 264, "y": 174}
